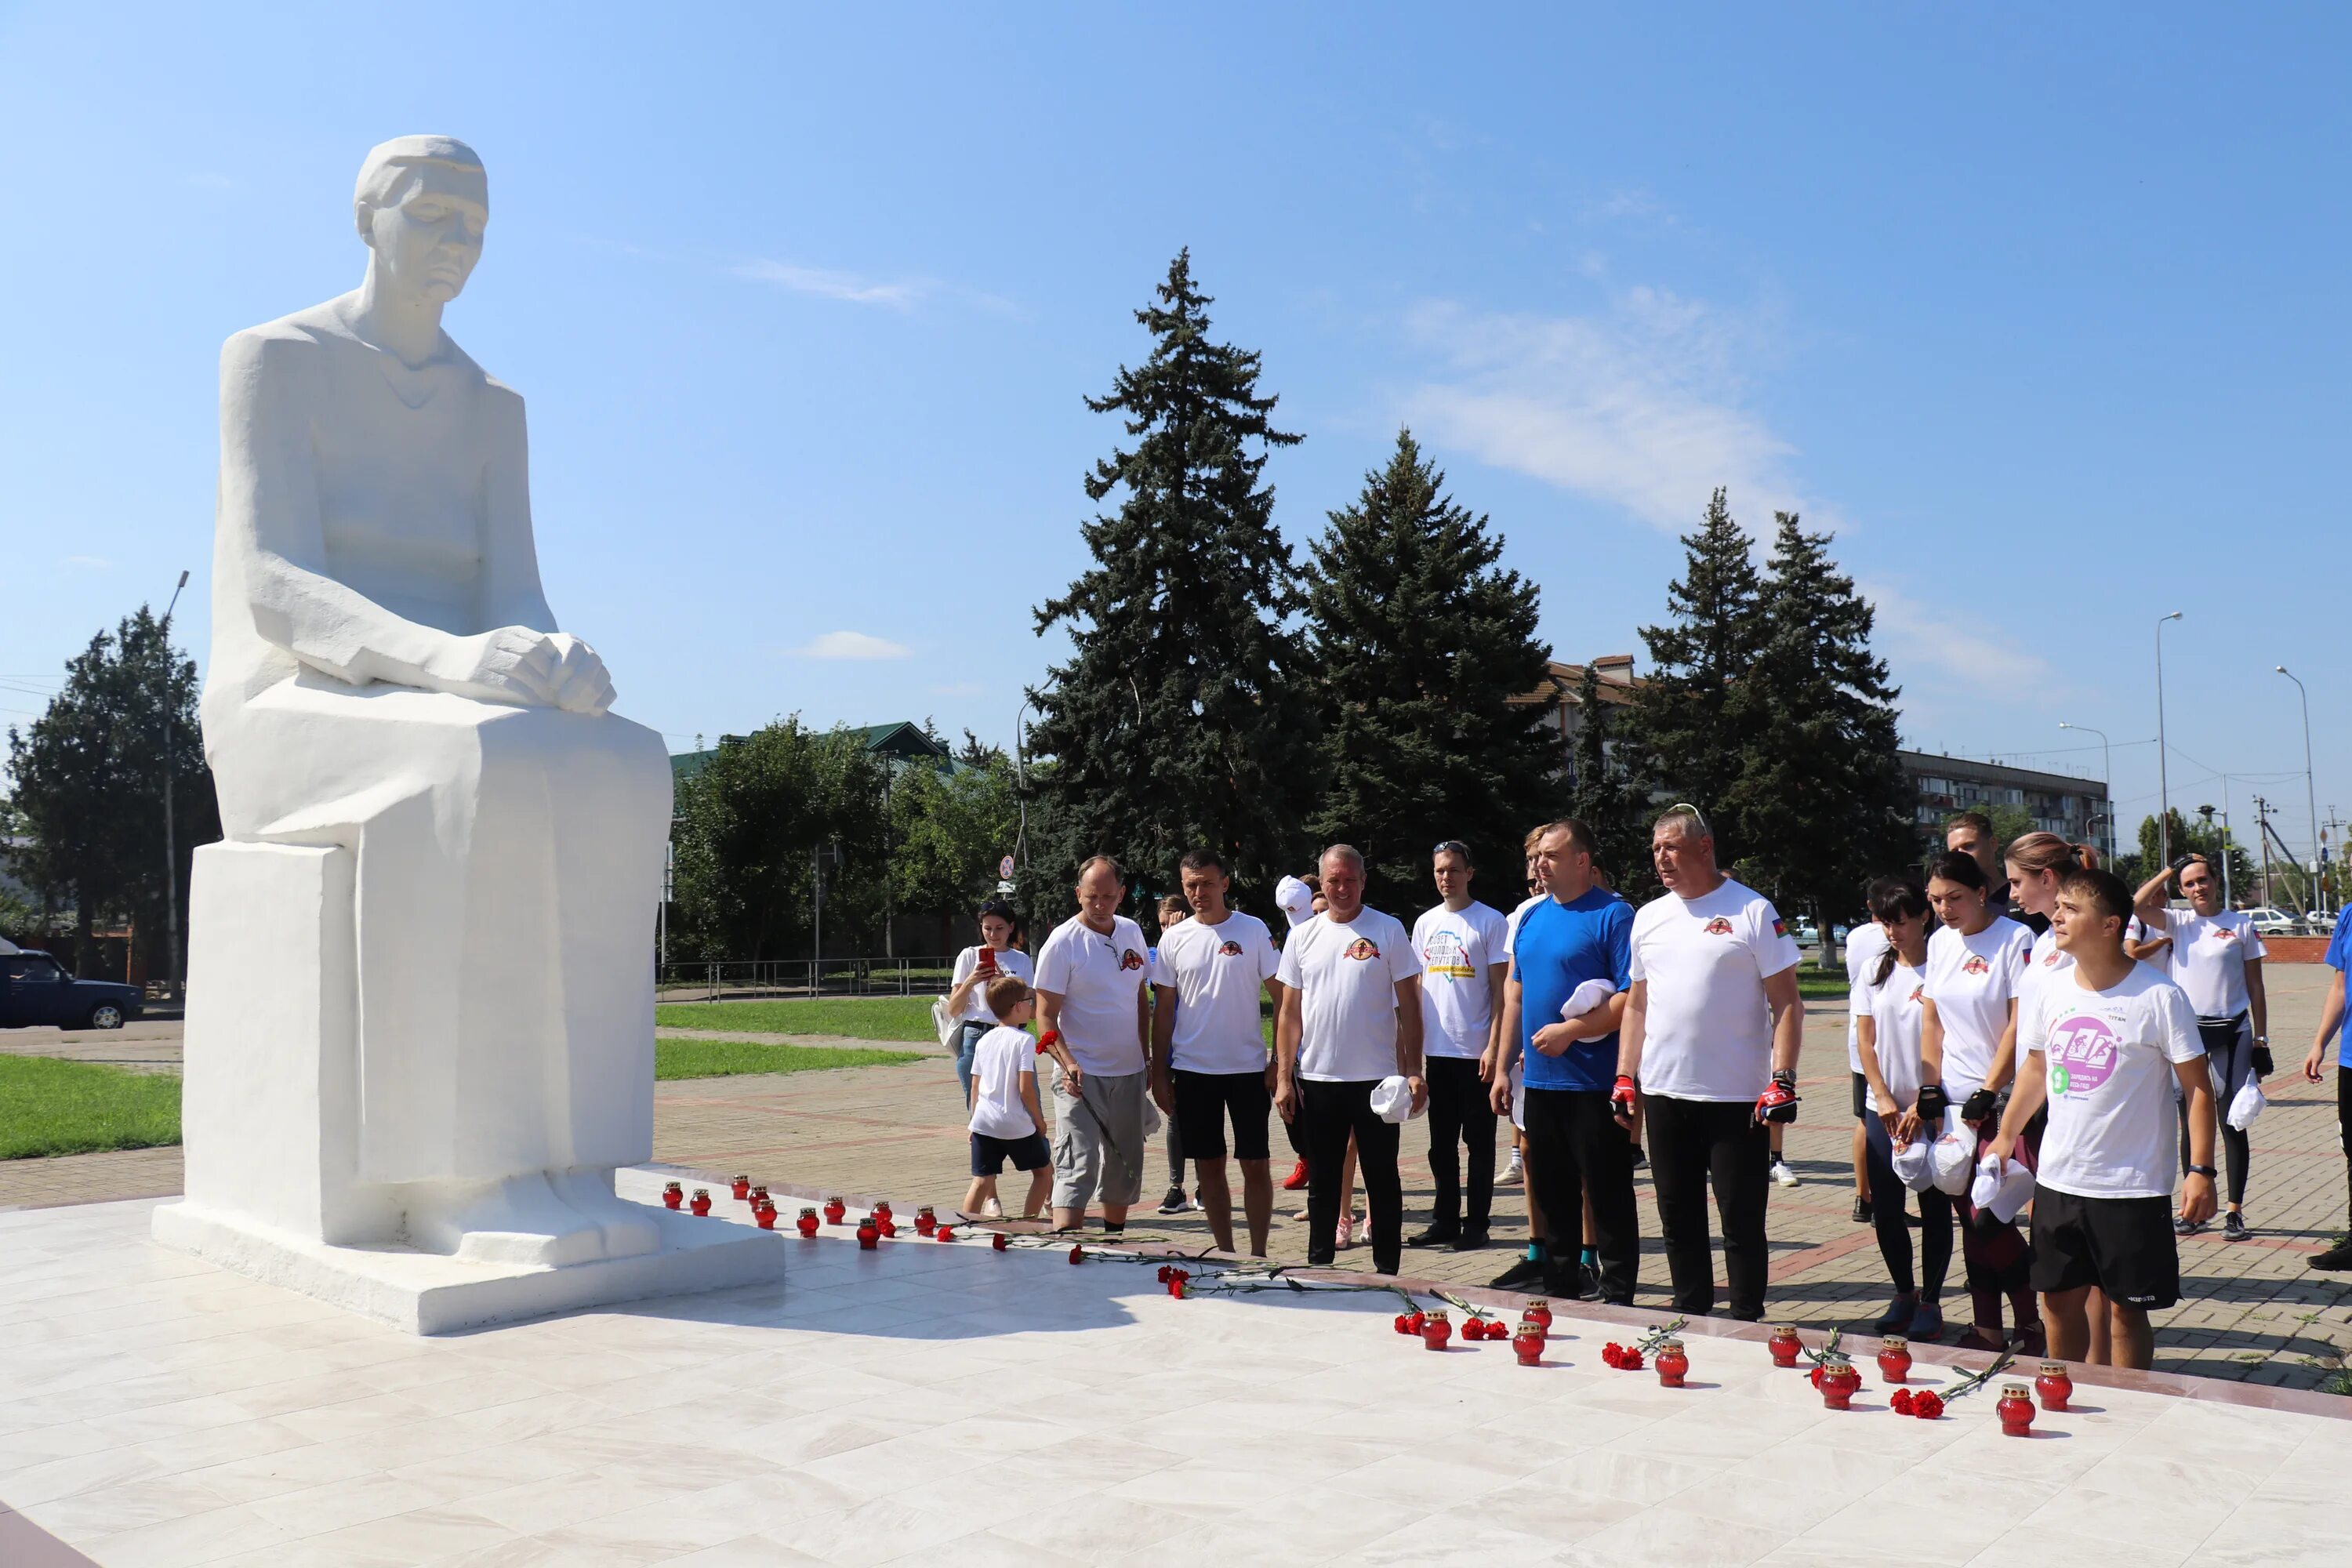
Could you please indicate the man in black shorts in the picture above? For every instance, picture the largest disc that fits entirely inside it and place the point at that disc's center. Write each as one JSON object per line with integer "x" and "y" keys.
{"x": 1208, "y": 1048}
{"x": 2102, "y": 1043}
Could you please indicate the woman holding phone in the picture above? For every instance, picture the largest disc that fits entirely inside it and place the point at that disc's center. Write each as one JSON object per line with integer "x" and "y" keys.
{"x": 998, "y": 953}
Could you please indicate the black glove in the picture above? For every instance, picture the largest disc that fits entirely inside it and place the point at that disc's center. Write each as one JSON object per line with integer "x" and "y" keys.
{"x": 1933, "y": 1102}
{"x": 2263, "y": 1065}
{"x": 1977, "y": 1107}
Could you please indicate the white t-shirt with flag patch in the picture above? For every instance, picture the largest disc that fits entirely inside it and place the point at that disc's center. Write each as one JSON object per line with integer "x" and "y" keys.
{"x": 2207, "y": 958}
{"x": 1218, "y": 972}
{"x": 1707, "y": 1026}
{"x": 1347, "y": 977}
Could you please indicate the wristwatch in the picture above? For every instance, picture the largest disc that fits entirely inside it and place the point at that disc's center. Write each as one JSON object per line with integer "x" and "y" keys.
{"x": 2207, "y": 1171}
{"x": 2262, "y": 1039}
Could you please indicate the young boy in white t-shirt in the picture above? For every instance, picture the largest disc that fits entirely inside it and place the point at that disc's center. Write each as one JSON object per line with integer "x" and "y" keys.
{"x": 1007, "y": 1123}
{"x": 2102, "y": 1043}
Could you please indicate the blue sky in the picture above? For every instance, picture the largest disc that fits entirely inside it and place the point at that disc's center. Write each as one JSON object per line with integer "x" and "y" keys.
{"x": 2043, "y": 313}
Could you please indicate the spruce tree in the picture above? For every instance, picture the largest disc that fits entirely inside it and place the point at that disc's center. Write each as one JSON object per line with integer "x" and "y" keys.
{"x": 1182, "y": 717}
{"x": 1682, "y": 724}
{"x": 1820, "y": 804}
{"x": 1601, "y": 796}
{"x": 1422, "y": 642}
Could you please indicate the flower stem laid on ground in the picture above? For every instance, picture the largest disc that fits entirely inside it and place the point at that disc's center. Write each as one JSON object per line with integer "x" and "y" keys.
{"x": 853, "y": 1017}
{"x": 53, "y": 1107}
{"x": 727, "y": 1059}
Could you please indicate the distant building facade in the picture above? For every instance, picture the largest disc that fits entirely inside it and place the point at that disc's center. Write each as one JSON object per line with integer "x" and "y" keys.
{"x": 1614, "y": 674}
{"x": 2072, "y": 809}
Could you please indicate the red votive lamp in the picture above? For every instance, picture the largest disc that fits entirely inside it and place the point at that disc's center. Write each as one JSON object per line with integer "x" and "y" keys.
{"x": 1673, "y": 1364}
{"x": 869, "y": 1236}
{"x": 2016, "y": 1411}
{"x": 673, "y": 1196}
{"x": 806, "y": 1224}
{"x": 1840, "y": 1383}
{"x": 926, "y": 1221}
{"x": 834, "y": 1211}
{"x": 701, "y": 1203}
{"x": 2055, "y": 1385}
{"x": 743, "y": 1185}
{"x": 1435, "y": 1331}
{"x": 1785, "y": 1346}
{"x": 1895, "y": 1359}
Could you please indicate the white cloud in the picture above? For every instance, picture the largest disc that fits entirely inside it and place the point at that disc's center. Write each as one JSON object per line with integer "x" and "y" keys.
{"x": 1638, "y": 404}
{"x": 1944, "y": 642}
{"x": 92, "y": 563}
{"x": 1632, "y": 204}
{"x": 828, "y": 284}
{"x": 853, "y": 646}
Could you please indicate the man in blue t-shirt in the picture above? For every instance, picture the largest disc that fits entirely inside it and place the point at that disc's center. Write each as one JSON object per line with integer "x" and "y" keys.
{"x": 1571, "y": 964}
{"x": 2331, "y": 1019}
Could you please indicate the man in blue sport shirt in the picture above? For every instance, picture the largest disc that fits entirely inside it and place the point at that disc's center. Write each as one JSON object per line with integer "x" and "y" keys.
{"x": 2331, "y": 1019}
{"x": 1580, "y": 934}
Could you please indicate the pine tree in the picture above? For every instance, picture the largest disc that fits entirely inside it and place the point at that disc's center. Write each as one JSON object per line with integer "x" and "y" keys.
{"x": 1681, "y": 725}
{"x": 1423, "y": 642}
{"x": 1820, "y": 804}
{"x": 1601, "y": 797}
{"x": 1182, "y": 717}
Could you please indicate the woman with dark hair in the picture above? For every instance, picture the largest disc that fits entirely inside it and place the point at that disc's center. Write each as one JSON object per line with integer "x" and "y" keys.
{"x": 1976, "y": 963}
{"x": 2216, "y": 956}
{"x": 997, "y": 954}
{"x": 1906, "y": 1103}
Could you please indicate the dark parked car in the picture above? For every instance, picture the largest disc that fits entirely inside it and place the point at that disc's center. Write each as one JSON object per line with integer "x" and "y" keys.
{"x": 35, "y": 989}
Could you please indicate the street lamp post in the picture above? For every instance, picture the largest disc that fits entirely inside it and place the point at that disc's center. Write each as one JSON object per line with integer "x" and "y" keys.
{"x": 2310, "y": 796}
{"x": 171, "y": 852}
{"x": 2163, "y": 786}
{"x": 2106, "y": 774}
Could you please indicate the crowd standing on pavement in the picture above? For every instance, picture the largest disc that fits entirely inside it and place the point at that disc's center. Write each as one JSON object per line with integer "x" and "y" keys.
{"x": 2044, "y": 1063}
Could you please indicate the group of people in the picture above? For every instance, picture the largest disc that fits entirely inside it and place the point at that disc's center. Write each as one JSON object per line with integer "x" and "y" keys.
{"x": 2070, "y": 1037}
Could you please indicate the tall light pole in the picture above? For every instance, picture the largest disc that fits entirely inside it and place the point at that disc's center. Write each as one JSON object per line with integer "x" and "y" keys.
{"x": 2106, "y": 776}
{"x": 170, "y": 852}
{"x": 2163, "y": 786}
{"x": 2310, "y": 796}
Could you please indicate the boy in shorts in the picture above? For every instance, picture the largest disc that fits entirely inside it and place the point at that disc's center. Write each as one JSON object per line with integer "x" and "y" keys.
{"x": 2102, "y": 1043}
{"x": 1006, "y": 1120}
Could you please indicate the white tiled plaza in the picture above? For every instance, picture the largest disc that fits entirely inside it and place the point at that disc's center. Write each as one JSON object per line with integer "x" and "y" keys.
{"x": 954, "y": 1405}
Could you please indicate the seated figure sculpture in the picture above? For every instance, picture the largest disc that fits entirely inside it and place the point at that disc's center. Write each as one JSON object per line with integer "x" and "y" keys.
{"x": 386, "y": 678}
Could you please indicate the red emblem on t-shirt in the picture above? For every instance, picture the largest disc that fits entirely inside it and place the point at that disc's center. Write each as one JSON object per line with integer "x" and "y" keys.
{"x": 1131, "y": 959}
{"x": 1232, "y": 949}
{"x": 1719, "y": 927}
{"x": 2049, "y": 959}
{"x": 1362, "y": 949}
{"x": 1917, "y": 991}
{"x": 1976, "y": 965}
{"x": 2225, "y": 933}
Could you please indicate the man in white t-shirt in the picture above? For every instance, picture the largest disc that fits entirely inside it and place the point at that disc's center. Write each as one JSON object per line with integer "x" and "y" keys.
{"x": 1208, "y": 1054}
{"x": 1090, "y": 979}
{"x": 1464, "y": 960}
{"x": 1709, "y": 1047}
{"x": 1350, "y": 1019}
{"x": 2101, "y": 1046}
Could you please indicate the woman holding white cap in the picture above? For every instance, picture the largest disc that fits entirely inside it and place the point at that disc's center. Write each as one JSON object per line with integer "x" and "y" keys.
{"x": 2215, "y": 956}
{"x": 1904, "y": 1098}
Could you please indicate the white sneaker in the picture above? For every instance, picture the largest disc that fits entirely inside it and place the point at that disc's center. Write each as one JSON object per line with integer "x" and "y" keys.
{"x": 992, "y": 1209}
{"x": 1782, "y": 1175}
{"x": 1512, "y": 1171}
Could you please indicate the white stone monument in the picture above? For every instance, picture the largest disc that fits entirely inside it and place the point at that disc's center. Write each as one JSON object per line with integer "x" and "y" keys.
{"x": 420, "y": 996}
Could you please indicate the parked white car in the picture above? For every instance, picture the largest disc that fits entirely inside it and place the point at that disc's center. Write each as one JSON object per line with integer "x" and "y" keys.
{"x": 2274, "y": 922}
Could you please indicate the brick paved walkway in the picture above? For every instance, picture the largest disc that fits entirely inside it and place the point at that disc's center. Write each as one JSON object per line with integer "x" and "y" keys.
{"x": 2253, "y": 1309}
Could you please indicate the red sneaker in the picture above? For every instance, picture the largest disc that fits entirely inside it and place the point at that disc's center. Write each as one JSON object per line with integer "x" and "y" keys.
{"x": 1296, "y": 1179}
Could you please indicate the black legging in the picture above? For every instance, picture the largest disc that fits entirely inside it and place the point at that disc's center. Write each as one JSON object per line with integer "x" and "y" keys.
{"x": 1886, "y": 1189}
{"x": 2230, "y": 1056}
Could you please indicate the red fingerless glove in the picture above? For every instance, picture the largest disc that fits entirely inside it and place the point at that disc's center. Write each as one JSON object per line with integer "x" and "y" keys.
{"x": 1621, "y": 1099}
{"x": 1778, "y": 1100}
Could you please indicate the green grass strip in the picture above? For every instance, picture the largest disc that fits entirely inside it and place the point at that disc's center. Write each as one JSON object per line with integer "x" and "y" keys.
{"x": 49, "y": 1106}
{"x": 853, "y": 1017}
{"x": 726, "y": 1059}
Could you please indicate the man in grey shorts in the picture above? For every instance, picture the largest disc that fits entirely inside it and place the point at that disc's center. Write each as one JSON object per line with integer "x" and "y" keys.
{"x": 1090, "y": 985}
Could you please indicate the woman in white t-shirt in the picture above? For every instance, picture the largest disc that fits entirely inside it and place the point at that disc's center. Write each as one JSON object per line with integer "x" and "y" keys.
{"x": 2216, "y": 956}
{"x": 998, "y": 952}
{"x": 1976, "y": 963}
{"x": 1904, "y": 1101}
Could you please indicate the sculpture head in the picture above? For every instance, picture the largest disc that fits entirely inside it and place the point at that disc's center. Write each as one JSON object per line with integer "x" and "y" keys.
{"x": 420, "y": 204}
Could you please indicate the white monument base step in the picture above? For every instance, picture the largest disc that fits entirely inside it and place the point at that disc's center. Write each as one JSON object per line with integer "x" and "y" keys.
{"x": 429, "y": 1293}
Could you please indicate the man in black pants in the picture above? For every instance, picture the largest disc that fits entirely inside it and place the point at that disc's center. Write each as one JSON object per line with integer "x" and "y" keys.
{"x": 1350, "y": 1017}
{"x": 1561, "y": 1008}
{"x": 1461, "y": 944}
{"x": 1709, "y": 1045}
{"x": 2331, "y": 1019}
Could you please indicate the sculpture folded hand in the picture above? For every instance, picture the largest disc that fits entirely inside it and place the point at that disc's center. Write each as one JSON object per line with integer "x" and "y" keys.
{"x": 386, "y": 678}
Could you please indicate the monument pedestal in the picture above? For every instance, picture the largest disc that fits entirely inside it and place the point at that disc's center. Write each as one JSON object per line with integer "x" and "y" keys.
{"x": 271, "y": 1108}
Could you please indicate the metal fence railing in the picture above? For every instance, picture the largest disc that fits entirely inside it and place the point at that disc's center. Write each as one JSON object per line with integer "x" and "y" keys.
{"x": 802, "y": 977}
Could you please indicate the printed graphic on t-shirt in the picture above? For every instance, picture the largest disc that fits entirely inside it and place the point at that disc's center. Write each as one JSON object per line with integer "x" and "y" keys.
{"x": 1447, "y": 958}
{"x": 2083, "y": 1053}
{"x": 1362, "y": 949}
{"x": 1719, "y": 926}
{"x": 1231, "y": 948}
{"x": 2224, "y": 933}
{"x": 1131, "y": 959}
{"x": 1918, "y": 994}
{"x": 2051, "y": 960}
{"x": 1976, "y": 965}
